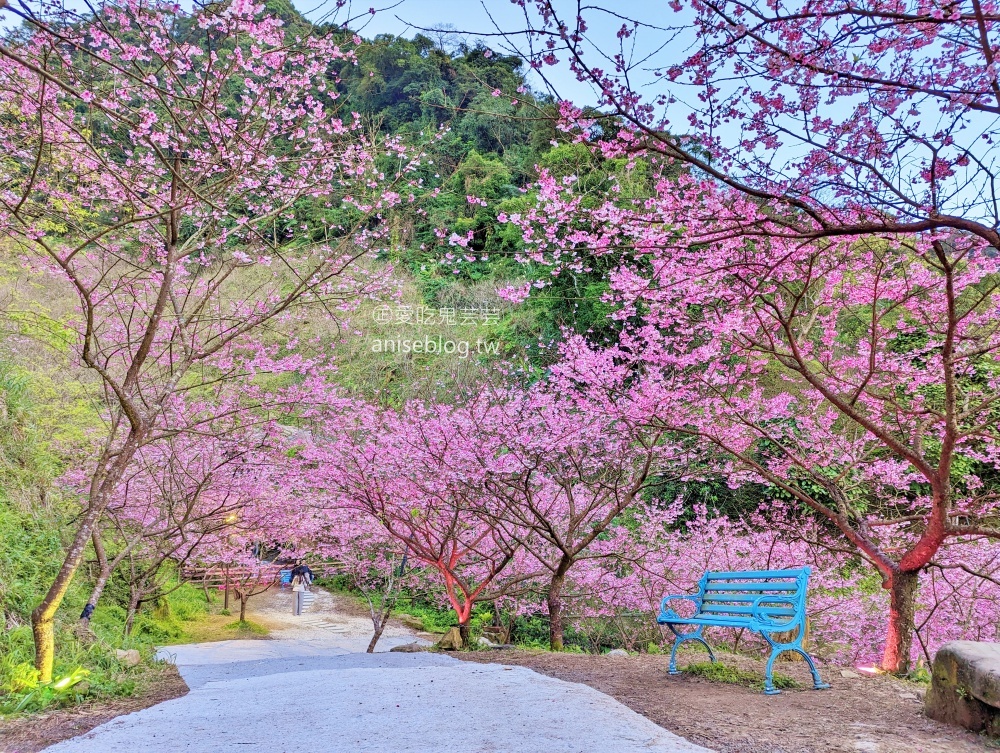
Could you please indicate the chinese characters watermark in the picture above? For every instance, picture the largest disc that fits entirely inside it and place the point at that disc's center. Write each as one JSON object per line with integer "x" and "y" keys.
{"x": 445, "y": 315}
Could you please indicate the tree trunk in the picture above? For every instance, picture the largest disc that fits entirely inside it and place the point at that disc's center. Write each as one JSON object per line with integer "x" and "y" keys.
{"x": 243, "y": 607}
{"x": 379, "y": 627}
{"x": 463, "y": 630}
{"x": 104, "y": 575}
{"x": 43, "y": 632}
{"x": 102, "y": 578}
{"x": 133, "y": 608}
{"x": 903, "y": 587}
{"x": 43, "y": 616}
{"x": 380, "y": 618}
{"x": 555, "y": 604}
{"x": 95, "y": 596}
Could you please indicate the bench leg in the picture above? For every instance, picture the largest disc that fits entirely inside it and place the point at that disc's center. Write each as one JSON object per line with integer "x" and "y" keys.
{"x": 776, "y": 651}
{"x": 694, "y": 635}
{"x": 769, "y": 688}
{"x": 818, "y": 684}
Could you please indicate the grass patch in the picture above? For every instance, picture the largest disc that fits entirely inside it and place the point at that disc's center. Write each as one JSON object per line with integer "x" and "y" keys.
{"x": 719, "y": 672}
{"x": 246, "y": 627}
{"x": 219, "y": 626}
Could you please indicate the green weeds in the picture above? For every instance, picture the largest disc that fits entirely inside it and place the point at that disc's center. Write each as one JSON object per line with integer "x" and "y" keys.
{"x": 719, "y": 672}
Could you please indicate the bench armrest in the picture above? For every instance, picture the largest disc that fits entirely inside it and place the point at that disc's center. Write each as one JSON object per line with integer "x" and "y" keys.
{"x": 666, "y": 613}
{"x": 769, "y": 622}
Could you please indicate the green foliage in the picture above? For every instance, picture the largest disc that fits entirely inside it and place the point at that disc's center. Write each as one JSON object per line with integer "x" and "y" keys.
{"x": 26, "y": 461}
{"x": 719, "y": 672}
{"x": 408, "y": 86}
{"x": 436, "y": 619}
{"x": 30, "y": 550}
{"x": 532, "y": 631}
{"x": 61, "y": 691}
{"x": 164, "y": 622}
{"x": 33, "y": 520}
{"x": 94, "y": 656}
{"x": 93, "y": 670}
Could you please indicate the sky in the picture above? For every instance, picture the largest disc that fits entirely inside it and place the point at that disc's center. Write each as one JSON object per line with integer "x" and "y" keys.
{"x": 470, "y": 20}
{"x": 482, "y": 20}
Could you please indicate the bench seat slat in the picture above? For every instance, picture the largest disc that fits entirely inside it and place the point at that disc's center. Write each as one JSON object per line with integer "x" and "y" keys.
{"x": 710, "y": 586}
{"x": 733, "y": 598}
{"x": 769, "y": 611}
{"x": 717, "y": 621}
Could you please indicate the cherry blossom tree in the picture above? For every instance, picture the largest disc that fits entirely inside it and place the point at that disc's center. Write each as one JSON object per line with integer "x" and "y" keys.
{"x": 416, "y": 473}
{"x": 846, "y": 119}
{"x": 858, "y": 377}
{"x": 158, "y": 163}
{"x": 568, "y": 467}
{"x": 376, "y": 564}
{"x": 178, "y": 494}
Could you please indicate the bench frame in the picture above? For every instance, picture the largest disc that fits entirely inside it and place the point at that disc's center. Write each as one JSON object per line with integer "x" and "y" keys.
{"x": 759, "y": 613}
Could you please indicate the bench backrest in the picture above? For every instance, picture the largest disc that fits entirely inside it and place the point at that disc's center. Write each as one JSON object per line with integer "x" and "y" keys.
{"x": 732, "y": 595}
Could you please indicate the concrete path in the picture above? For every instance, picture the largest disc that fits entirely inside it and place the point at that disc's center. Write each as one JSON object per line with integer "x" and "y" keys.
{"x": 319, "y": 695}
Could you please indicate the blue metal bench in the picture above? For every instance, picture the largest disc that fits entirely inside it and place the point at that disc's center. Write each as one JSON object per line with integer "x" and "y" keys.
{"x": 766, "y": 602}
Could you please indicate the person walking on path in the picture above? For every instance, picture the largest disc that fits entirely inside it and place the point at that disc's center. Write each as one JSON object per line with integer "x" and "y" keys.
{"x": 298, "y": 593}
{"x": 302, "y": 577}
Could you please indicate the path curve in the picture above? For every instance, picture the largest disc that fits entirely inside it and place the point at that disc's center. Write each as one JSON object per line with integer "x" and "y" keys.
{"x": 316, "y": 692}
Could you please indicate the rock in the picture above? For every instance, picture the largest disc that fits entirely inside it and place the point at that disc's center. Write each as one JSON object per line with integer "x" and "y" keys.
{"x": 410, "y": 621}
{"x": 485, "y": 642}
{"x": 410, "y": 648}
{"x": 129, "y": 658}
{"x": 849, "y": 674}
{"x": 909, "y": 696}
{"x": 497, "y": 635}
{"x": 965, "y": 686}
{"x": 452, "y": 640}
{"x": 618, "y": 653}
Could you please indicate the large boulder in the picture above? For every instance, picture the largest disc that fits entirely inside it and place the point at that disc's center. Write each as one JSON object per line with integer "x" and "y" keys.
{"x": 965, "y": 686}
{"x": 452, "y": 640}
